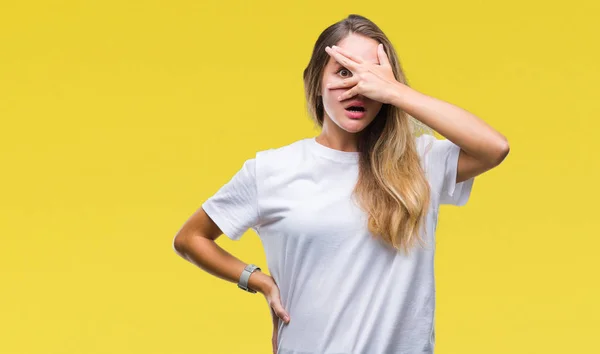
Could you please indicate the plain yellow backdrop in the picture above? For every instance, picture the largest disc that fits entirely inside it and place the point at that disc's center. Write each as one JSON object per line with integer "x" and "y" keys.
{"x": 119, "y": 118}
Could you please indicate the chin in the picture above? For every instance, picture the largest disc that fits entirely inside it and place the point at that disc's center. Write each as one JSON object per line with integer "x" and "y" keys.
{"x": 354, "y": 125}
{"x": 354, "y": 128}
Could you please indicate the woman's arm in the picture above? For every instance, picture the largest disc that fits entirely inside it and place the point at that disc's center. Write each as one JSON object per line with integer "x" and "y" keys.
{"x": 482, "y": 147}
{"x": 195, "y": 242}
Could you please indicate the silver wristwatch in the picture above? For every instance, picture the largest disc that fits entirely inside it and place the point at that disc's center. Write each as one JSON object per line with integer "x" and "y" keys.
{"x": 243, "y": 283}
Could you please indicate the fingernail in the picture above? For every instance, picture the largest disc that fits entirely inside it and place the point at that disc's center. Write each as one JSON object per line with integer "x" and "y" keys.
{"x": 286, "y": 318}
{"x": 334, "y": 46}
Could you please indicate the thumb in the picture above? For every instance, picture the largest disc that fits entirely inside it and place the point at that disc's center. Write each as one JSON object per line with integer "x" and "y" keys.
{"x": 279, "y": 310}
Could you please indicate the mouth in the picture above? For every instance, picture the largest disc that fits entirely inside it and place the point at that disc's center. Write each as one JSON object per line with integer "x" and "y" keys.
{"x": 355, "y": 109}
{"x": 355, "y": 112}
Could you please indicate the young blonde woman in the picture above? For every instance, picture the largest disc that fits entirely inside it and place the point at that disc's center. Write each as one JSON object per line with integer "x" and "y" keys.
{"x": 347, "y": 219}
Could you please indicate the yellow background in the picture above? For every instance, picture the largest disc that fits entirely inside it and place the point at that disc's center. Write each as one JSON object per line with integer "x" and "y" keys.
{"x": 118, "y": 118}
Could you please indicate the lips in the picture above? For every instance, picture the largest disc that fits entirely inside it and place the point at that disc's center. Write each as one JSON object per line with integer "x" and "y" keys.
{"x": 355, "y": 106}
{"x": 355, "y": 109}
{"x": 355, "y": 114}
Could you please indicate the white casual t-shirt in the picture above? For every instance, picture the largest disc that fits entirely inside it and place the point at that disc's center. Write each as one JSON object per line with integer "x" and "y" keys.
{"x": 346, "y": 292}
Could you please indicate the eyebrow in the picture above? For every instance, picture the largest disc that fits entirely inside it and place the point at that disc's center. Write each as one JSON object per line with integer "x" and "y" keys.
{"x": 338, "y": 65}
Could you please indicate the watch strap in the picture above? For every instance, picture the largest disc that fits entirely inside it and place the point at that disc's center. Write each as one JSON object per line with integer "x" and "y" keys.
{"x": 243, "y": 282}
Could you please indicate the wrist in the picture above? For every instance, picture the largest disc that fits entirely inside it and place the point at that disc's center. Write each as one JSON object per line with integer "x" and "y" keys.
{"x": 259, "y": 281}
{"x": 399, "y": 95}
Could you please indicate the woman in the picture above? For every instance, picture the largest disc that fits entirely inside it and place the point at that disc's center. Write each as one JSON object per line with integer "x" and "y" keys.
{"x": 348, "y": 218}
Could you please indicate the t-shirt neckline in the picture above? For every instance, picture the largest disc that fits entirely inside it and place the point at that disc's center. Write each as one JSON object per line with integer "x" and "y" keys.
{"x": 332, "y": 154}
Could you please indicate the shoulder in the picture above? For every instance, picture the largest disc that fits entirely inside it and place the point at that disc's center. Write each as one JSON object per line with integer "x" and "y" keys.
{"x": 428, "y": 146}
{"x": 427, "y": 141}
{"x": 281, "y": 157}
{"x": 424, "y": 145}
{"x": 437, "y": 156}
{"x": 287, "y": 150}
{"x": 283, "y": 153}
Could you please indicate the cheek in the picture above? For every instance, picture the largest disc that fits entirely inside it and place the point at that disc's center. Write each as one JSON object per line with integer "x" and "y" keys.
{"x": 330, "y": 97}
{"x": 376, "y": 108}
{"x": 335, "y": 93}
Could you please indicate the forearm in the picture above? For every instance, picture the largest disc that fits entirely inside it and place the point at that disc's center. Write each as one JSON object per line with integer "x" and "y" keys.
{"x": 210, "y": 257}
{"x": 472, "y": 134}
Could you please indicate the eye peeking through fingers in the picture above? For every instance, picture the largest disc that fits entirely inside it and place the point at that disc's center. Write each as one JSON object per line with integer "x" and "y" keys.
{"x": 348, "y": 72}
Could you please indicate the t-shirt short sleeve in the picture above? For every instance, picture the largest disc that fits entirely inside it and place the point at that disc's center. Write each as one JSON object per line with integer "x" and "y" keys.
{"x": 441, "y": 165}
{"x": 234, "y": 207}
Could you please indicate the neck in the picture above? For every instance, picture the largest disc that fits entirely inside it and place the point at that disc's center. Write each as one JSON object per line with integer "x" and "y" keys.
{"x": 336, "y": 138}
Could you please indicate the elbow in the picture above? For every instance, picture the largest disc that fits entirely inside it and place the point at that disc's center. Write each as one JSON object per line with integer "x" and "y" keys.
{"x": 178, "y": 244}
{"x": 501, "y": 150}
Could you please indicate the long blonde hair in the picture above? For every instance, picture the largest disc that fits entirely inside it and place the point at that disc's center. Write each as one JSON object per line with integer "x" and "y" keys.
{"x": 392, "y": 188}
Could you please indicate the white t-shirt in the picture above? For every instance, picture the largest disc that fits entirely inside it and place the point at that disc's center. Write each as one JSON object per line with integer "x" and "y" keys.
{"x": 346, "y": 292}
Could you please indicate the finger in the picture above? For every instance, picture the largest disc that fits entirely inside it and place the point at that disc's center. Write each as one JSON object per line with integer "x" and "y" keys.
{"x": 349, "y": 82}
{"x": 343, "y": 60}
{"x": 347, "y": 54}
{"x": 275, "y": 318}
{"x": 275, "y": 329}
{"x": 383, "y": 58}
{"x": 349, "y": 94}
{"x": 280, "y": 312}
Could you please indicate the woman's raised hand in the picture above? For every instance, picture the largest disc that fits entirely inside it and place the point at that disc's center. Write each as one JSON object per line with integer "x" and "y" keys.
{"x": 375, "y": 81}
